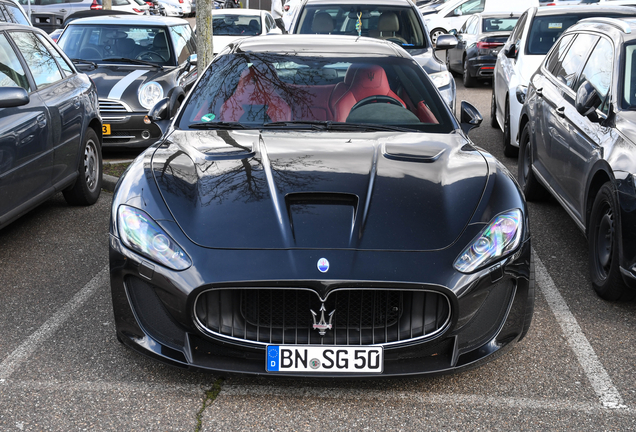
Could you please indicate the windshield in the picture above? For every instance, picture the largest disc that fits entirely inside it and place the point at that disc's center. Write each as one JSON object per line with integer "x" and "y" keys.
{"x": 236, "y": 25}
{"x": 629, "y": 83}
{"x": 397, "y": 24}
{"x": 256, "y": 90}
{"x": 103, "y": 42}
{"x": 496, "y": 25}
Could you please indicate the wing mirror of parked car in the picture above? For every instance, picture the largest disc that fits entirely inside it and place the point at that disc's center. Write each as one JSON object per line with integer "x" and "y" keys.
{"x": 192, "y": 61}
{"x": 511, "y": 51}
{"x": 453, "y": 32}
{"x": 587, "y": 100}
{"x": 13, "y": 97}
{"x": 160, "y": 111}
{"x": 445, "y": 42}
{"x": 470, "y": 117}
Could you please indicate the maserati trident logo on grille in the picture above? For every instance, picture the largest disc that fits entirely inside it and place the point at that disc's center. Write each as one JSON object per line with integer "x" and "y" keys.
{"x": 323, "y": 265}
{"x": 322, "y": 326}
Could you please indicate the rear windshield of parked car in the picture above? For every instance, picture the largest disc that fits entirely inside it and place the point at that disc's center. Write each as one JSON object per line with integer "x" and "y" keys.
{"x": 254, "y": 89}
{"x": 236, "y": 25}
{"x": 397, "y": 24}
{"x": 495, "y": 25}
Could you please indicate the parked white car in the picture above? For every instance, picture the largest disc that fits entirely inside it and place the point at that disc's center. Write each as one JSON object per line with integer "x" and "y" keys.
{"x": 230, "y": 25}
{"x": 454, "y": 13}
{"x": 535, "y": 33}
{"x": 173, "y": 8}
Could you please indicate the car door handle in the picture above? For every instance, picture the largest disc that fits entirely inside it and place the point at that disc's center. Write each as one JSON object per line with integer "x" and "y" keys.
{"x": 41, "y": 120}
{"x": 560, "y": 111}
{"x": 62, "y": 10}
{"x": 540, "y": 91}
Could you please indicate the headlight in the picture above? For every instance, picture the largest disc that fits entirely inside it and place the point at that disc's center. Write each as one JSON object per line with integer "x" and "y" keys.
{"x": 440, "y": 79}
{"x": 521, "y": 93}
{"x": 149, "y": 94}
{"x": 499, "y": 238}
{"x": 143, "y": 235}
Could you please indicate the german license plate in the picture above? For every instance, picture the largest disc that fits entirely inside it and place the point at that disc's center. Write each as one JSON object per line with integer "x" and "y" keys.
{"x": 316, "y": 359}
{"x": 105, "y": 129}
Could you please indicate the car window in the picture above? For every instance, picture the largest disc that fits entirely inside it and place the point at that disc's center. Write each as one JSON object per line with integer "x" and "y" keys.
{"x": 598, "y": 70}
{"x": 565, "y": 71}
{"x": 463, "y": 28}
{"x": 15, "y": 14}
{"x": 11, "y": 72}
{"x": 470, "y": 7}
{"x": 556, "y": 56}
{"x": 493, "y": 25}
{"x": 236, "y": 25}
{"x": 394, "y": 23}
{"x": 472, "y": 26}
{"x": 68, "y": 70}
{"x": 39, "y": 60}
{"x": 629, "y": 80}
{"x": 181, "y": 35}
{"x": 515, "y": 36}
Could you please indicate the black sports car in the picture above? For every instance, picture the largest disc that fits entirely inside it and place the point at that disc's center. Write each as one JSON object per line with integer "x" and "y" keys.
{"x": 134, "y": 61}
{"x": 313, "y": 210}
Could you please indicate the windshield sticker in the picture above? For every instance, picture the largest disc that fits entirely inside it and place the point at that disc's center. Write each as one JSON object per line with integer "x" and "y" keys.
{"x": 208, "y": 117}
{"x": 555, "y": 25}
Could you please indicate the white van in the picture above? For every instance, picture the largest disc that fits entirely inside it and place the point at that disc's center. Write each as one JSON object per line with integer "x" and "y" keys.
{"x": 454, "y": 13}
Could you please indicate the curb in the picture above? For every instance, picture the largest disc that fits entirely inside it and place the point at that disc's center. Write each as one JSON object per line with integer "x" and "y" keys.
{"x": 109, "y": 182}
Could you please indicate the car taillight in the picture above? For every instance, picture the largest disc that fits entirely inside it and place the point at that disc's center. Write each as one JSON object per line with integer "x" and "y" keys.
{"x": 96, "y": 6}
{"x": 137, "y": 10}
{"x": 488, "y": 45}
{"x": 180, "y": 1}
{"x": 286, "y": 8}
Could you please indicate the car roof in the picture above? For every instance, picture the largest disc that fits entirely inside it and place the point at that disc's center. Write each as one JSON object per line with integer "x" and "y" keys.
{"x": 591, "y": 10}
{"x": 140, "y": 20}
{"x": 627, "y": 25}
{"x": 319, "y": 44}
{"x": 361, "y": 2}
{"x": 236, "y": 11}
{"x": 12, "y": 26}
{"x": 499, "y": 14}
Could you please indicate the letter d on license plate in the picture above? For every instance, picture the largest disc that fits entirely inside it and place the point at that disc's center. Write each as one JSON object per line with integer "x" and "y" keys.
{"x": 325, "y": 359}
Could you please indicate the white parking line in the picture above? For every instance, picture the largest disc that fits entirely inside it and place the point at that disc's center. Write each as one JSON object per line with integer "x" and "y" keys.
{"x": 596, "y": 373}
{"x": 30, "y": 345}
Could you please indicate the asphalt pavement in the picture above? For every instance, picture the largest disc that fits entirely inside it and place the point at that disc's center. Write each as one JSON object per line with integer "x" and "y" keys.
{"x": 62, "y": 368}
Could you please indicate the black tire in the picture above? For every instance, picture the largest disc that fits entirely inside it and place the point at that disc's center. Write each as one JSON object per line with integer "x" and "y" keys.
{"x": 436, "y": 32}
{"x": 493, "y": 111}
{"x": 527, "y": 321}
{"x": 469, "y": 81}
{"x": 88, "y": 186}
{"x": 529, "y": 184}
{"x": 508, "y": 149}
{"x": 602, "y": 236}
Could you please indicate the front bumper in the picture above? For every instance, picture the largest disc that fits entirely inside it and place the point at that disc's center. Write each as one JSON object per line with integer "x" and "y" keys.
{"x": 489, "y": 309}
{"x": 129, "y": 130}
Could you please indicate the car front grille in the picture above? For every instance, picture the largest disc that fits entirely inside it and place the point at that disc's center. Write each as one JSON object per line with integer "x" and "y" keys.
{"x": 112, "y": 107}
{"x": 360, "y": 316}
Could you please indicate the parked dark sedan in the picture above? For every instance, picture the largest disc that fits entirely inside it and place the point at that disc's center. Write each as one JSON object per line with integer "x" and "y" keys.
{"x": 317, "y": 210}
{"x": 50, "y": 129}
{"x": 478, "y": 43}
{"x": 577, "y": 141}
{"x": 135, "y": 61}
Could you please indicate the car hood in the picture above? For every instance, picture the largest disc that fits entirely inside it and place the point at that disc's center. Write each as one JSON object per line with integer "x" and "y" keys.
{"x": 122, "y": 82}
{"x": 326, "y": 190}
{"x": 426, "y": 58}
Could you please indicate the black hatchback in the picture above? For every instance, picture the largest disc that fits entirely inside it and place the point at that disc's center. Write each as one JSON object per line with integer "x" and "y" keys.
{"x": 50, "y": 130}
{"x": 577, "y": 142}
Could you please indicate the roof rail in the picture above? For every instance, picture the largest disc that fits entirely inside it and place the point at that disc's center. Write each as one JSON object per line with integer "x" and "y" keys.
{"x": 619, "y": 24}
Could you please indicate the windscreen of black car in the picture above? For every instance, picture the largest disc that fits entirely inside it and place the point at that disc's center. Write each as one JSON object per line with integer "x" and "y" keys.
{"x": 254, "y": 89}
{"x": 102, "y": 42}
{"x": 396, "y": 24}
{"x": 236, "y": 25}
{"x": 495, "y": 25}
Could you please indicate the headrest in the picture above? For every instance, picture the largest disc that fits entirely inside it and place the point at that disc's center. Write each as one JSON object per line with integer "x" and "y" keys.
{"x": 388, "y": 22}
{"x": 322, "y": 23}
{"x": 160, "y": 41}
{"x": 254, "y": 24}
{"x": 371, "y": 77}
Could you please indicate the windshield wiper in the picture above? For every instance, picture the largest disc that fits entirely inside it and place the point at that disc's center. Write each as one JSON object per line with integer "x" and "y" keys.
{"x": 338, "y": 126}
{"x": 82, "y": 61}
{"x": 135, "y": 61}
{"x": 217, "y": 125}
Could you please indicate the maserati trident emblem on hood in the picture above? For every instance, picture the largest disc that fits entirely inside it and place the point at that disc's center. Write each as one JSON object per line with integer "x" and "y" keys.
{"x": 322, "y": 326}
{"x": 323, "y": 265}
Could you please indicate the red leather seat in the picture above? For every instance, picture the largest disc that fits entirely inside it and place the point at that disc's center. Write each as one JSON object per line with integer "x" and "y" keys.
{"x": 253, "y": 98}
{"x": 369, "y": 80}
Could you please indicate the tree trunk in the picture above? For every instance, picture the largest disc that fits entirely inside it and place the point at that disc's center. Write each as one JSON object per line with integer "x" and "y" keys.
{"x": 204, "y": 34}
{"x": 107, "y": 4}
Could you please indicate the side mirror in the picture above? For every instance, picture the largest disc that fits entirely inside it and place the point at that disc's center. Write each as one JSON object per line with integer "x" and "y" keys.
{"x": 445, "y": 42}
{"x": 453, "y": 32}
{"x": 457, "y": 12}
{"x": 160, "y": 111}
{"x": 192, "y": 60}
{"x": 587, "y": 101}
{"x": 469, "y": 117}
{"x": 13, "y": 97}
{"x": 511, "y": 51}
